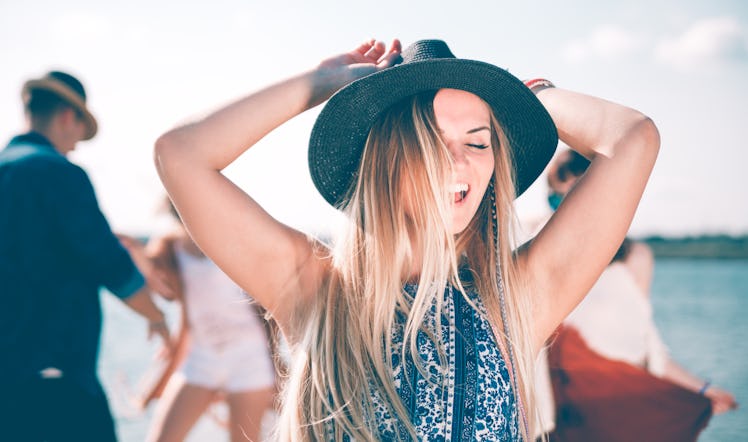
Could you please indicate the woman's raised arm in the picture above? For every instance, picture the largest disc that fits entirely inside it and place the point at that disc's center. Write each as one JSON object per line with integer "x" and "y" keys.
{"x": 568, "y": 255}
{"x": 273, "y": 262}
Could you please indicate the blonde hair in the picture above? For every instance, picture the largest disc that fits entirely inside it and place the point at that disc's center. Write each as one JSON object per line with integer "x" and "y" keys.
{"x": 345, "y": 351}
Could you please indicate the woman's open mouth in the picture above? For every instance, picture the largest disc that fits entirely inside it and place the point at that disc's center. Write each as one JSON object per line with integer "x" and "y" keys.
{"x": 460, "y": 191}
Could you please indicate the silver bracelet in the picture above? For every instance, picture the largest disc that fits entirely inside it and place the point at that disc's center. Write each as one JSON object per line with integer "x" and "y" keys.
{"x": 705, "y": 387}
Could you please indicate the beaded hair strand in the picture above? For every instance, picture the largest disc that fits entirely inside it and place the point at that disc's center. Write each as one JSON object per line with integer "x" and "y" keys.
{"x": 502, "y": 306}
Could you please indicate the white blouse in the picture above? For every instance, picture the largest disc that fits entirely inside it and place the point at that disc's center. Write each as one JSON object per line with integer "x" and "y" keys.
{"x": 219, "y": 312}
{"x": 616, "y": 321}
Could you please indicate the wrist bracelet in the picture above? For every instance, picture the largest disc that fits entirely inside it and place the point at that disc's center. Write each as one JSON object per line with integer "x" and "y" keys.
{"x": 535, "y": 82}
{"x": 705, "y": 387}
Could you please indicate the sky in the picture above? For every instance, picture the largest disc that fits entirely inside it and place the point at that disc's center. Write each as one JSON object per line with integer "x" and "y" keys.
{"x": 148, "y": 66}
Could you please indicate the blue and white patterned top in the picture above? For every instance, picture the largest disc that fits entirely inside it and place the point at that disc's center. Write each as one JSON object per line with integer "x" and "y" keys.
{"x": 476, "y": 403}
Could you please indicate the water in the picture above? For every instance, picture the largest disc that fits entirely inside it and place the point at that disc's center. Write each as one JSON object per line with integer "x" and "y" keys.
{"x": 701, "y": 308}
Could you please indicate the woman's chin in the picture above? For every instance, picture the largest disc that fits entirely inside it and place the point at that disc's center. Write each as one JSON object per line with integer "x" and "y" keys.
{"x": 458, "y": 226}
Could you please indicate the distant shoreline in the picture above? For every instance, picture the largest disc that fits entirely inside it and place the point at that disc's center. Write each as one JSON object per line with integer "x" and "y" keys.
{"x": 699, "y": 247}
{"x": 718, "y": 246}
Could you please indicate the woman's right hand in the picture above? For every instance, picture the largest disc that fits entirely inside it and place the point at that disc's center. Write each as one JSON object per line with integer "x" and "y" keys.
{"x": 335, "y": 72}
{"x": 722, "y": 401}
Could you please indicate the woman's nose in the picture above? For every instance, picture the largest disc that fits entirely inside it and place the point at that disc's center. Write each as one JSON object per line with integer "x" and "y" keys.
{"x": 457, "y": 153}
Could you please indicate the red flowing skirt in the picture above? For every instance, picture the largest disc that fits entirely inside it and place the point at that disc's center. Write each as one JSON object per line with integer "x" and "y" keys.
{"x": 598, "y": 399}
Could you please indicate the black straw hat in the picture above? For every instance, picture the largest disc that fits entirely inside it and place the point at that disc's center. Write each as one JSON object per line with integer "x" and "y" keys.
{"x": 342, "y": 127}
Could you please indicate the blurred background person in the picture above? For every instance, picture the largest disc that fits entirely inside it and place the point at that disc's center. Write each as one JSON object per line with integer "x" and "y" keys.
{"x": 611, "y": 374}
{"x": 56, "y": 251}
{"x": 224, "y": 345}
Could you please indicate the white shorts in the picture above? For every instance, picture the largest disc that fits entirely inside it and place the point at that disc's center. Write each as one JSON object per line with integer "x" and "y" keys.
{"x": 238, "y": 367}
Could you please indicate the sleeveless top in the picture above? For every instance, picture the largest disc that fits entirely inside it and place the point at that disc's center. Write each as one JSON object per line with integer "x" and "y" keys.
{"x": 469, "y": 398}
{"x": 219, "y": 313}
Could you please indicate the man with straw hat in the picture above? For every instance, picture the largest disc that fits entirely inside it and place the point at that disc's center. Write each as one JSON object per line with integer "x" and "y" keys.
{"x": 56, "y": 251}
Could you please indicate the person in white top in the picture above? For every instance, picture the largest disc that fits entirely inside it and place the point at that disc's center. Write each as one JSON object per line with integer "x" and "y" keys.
{"x": 615, "y": 319}
{"x": 223, "y": 349}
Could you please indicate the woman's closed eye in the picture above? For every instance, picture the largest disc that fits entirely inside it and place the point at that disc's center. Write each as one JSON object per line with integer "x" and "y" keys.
{"x": 478, "y": 146}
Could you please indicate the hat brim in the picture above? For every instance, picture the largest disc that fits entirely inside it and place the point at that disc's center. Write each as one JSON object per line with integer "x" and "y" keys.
{"x": 66, "y": 94}
{"x": 342, "y": 127}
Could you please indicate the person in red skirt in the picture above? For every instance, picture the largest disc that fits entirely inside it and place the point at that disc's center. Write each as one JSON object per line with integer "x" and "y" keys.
{"x": 611, "y": 374}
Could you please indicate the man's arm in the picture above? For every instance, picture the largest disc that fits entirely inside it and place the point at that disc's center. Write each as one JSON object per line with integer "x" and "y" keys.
{"x": 82, "y": 227}
{"x": 142, "y": 303}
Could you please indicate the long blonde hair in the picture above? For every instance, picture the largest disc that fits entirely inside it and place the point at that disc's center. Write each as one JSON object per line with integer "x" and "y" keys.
{"x": 345, "y": 351}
